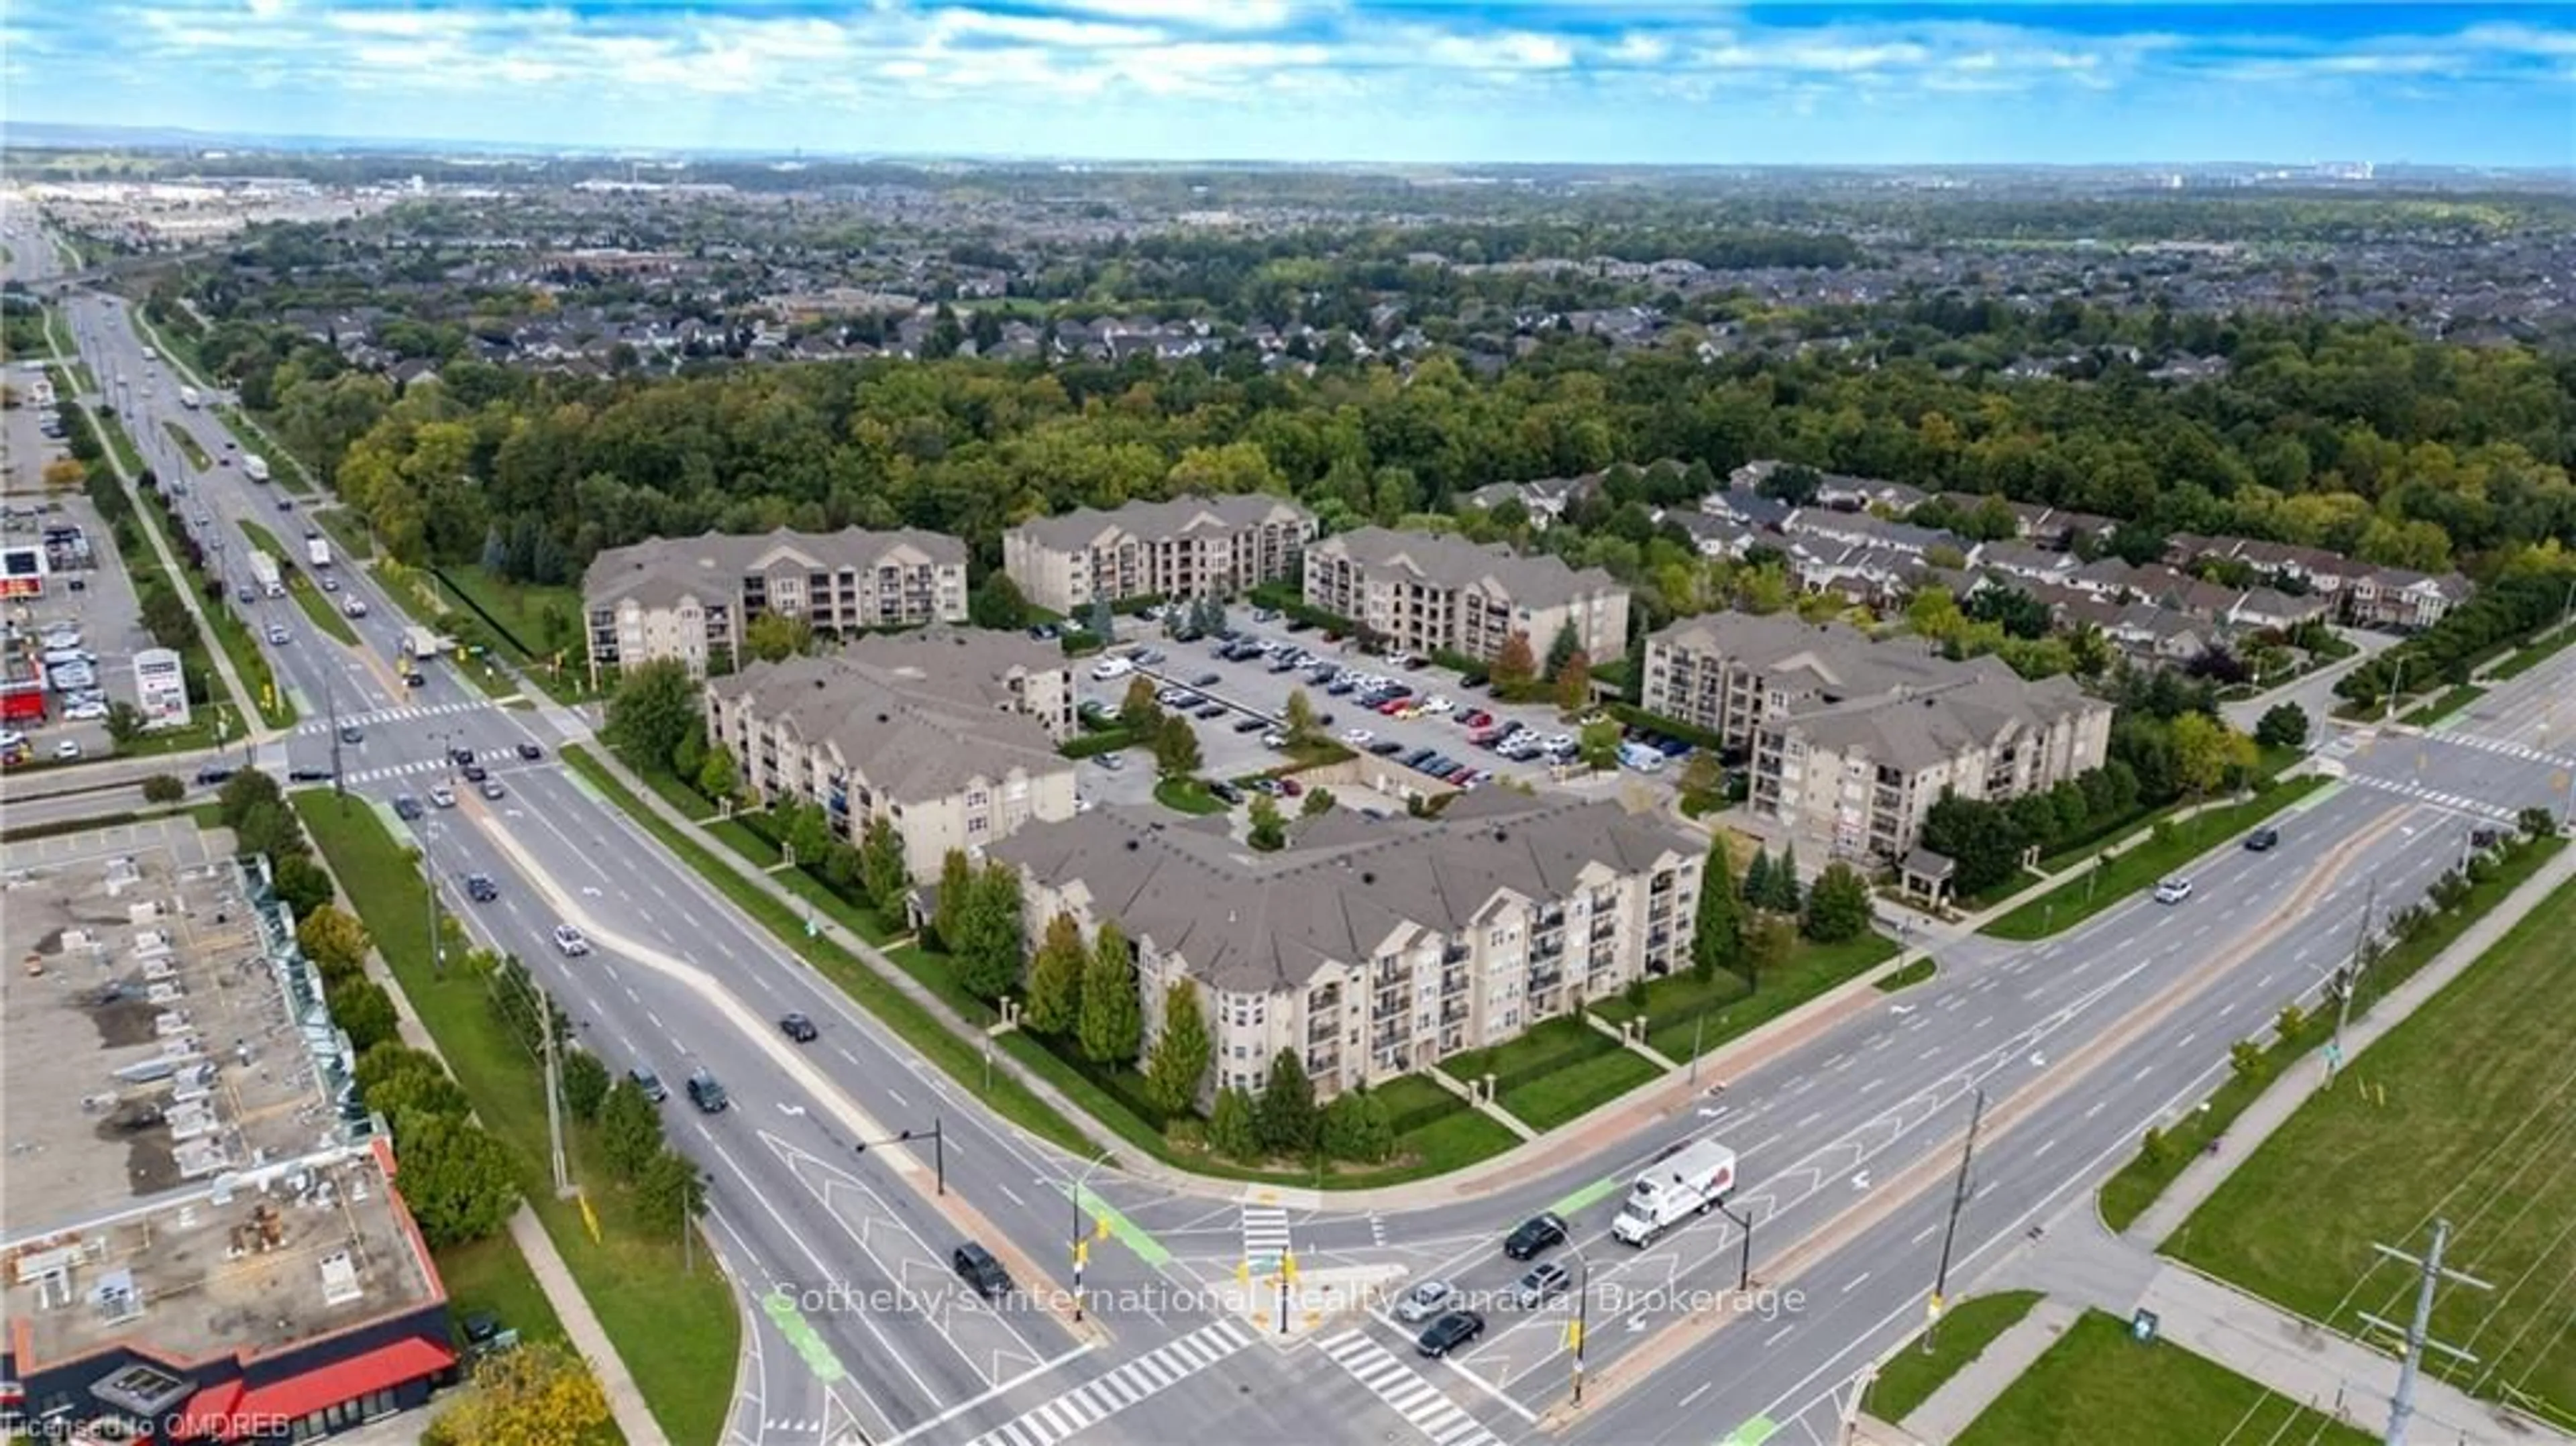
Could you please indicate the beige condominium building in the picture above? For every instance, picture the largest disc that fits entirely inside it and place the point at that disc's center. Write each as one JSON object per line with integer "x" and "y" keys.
{"x": 1858, "y": 776}
{"x": 951, "y": 766}
{"x": 1374, "y": 948}
{"x": 1426, "y": 592}
{"x": 1187, "y": 547}
{"x": 1725, "y": 673}
{"x": 691, "y": 597}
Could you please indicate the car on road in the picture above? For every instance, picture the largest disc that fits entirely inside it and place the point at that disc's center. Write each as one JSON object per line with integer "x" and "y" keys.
{"x": 493, "y": 790}
{"x": 1536, "y": 1235}
{"x": 1111, "y": 761}
{"x": 982, "y": 1273}
{"x": 309, "y": 775}
{"x": 212, "y": 774}
{"x": 350, "y": 733}
{"x": 1451, "y": 1331}
{"x": 407, "y": 808}
{"x": 441, "y": 797}
{"x": 1545, "y": 1281}
{"x": 460, "y": 756}
{"x": 415, "y": 679}
{"x": 474, "y": 772}
{"x": 2262, "y": 840}
{"x": 285, "y": 504}
{"x": 650, "y": 1083}
{"x": 798, "y": 1028}
{"x": 1424, "y": 1301}
{"x": 2173, "y": 891}
{"x": 354, "y": 607}
{"x": 531, "y": 751}
{"x": 570, "y": 941}
{"x": 706, "y": 1094}
{"x": 481, "y": 889}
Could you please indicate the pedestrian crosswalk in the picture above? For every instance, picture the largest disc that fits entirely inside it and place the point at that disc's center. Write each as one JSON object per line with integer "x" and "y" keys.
{"x": 1104, "y": 1396}
{"x": 1419, "y": 1402}
{"x": 2523, "y": 751}
{"x": 412, "y": 769}
{"x": 1265, "y": 1236}
{"x": 319, "y": 727}
{"x": 2457, "y": 803}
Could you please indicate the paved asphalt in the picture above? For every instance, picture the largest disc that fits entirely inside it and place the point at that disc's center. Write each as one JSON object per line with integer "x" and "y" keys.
{"x": 2079, "y": 1043}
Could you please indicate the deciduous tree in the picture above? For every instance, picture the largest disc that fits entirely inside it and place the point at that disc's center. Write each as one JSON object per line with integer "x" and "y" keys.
{"x": 1181, "y": 1051}
{"x": 1113, "y": 1025}
{"x": 884, "y": 871}
{"x": 1233, "y": 1131}
{"x": 1574, "y": 682}
{"x": 1515, "y": 668}
{"x": 334, "y": 940}
{"x": 989, "y": 947}
{"x": 1356, "y": 1128}
{"x": 956, "y": 887}
{"x": 1055, "y": 978}
{"x": 457, "y": 1179}
{"x": 540, "y": 1394}
{"x": 771, "y": 637}
{"x": 654, "y": 707}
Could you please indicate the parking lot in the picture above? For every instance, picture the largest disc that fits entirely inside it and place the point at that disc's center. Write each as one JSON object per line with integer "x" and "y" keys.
{"x": 1255, "y": 689}
{"x": 103, "y": 610}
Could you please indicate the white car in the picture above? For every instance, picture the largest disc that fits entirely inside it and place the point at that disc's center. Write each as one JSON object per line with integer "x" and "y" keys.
{"x": 1358, "y": 737}
{"x": 570, "y": 941}
{"x": 354, "y": 607}
{"x": 85, "y": 712}
{"x": 1424, "y": 1301}
{"x": 276, "y": 634}
{"x": 11, "y": 737}
{"x": 441, "y": 796}
{"x": 2173, "y": 891}
{"x": 1108, "y": 668}
{"x": 68, "y": 748}
{"x": 1438, "y": 706}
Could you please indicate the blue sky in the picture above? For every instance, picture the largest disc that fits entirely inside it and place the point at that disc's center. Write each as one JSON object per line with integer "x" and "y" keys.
{"x": 1954, "y": 81}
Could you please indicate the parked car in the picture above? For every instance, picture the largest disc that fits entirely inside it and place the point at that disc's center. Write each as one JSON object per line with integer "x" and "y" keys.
{"x": 1451, "y": 1331}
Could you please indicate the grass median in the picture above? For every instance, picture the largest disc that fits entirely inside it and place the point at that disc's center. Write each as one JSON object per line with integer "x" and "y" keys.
{"x": 677, "y": 1329}
{"x": 187, "y": 445}
{"x": 1907, "y": 1379}
{"x": 2171, "y": 849}
{"x": 300, "y": 586}
{"x": 2135, "y": 1185}
{"x": 230, "y": 632}
{"x": 2409, "y": 1132}
{"x": 2098, "y": 1387}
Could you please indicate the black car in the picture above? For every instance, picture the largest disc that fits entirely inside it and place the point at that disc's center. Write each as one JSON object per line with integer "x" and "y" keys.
{"x": 481, "y": 889}
{"x": 706, "y": 1094}
{"x": 407, "y": 808}
{"x": 474, "y": 773}
{"x": 1251, "y": 725}
{"x": 1225, "y": 792}
{"x": 349, "y": 733}
{"x": 531, "y": 751}
{"x": 212, "y": 775}
{"x": 2261, "y": 840}
{"x": 1448, "y": 1333}
{"x": 976, "y": 1266}
{"x": 308, "y": 775}
{"x": 650, "y": 1083}
{"x": 415, "y": 679}
{"x": 1206, "y": 680}
{"x": 1536, "y": 1234}
{"x": 460, "y": 756}
{"x": 798, "y": 1028}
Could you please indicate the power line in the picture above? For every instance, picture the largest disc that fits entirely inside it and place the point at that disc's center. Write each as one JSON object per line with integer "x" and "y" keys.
{"x": 2431, "y": 1273}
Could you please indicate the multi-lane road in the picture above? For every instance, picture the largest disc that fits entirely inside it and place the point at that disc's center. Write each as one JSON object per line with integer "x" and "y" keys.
{"x": 854, "y": 1329}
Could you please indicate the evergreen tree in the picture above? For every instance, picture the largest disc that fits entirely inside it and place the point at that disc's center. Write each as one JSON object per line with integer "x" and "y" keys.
{"x": 990, "y": 950}
{"x": 1717, "y": 933}
{"x": 1561, "y": 650}
{"x": 1757, "y": 879}
{"x": 1786, "y": 893}
{"x": 1181, "y": 1051}
{"x": 1231, "y": 1130}
{"x": 1112, "y": 1026}
{"x": 1055, "y": 978}
{"x": 1356, "y": 1128}
{"x": 1285, "y": 1118}
{"x": 1838, "y": 906}
{"x": 956, "y": 887}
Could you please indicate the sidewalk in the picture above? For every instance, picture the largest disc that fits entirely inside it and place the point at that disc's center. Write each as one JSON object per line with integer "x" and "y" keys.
{"x": 1964, "y": 1397}
{"x": 2275, "y": 1105}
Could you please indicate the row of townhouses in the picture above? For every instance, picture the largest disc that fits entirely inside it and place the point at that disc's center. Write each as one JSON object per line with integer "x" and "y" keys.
{"x": 1373, "y": 949}
{"x": 1852, "y": 740}
{"x": 950, "y": 734}
{"x": 691, "y": 598}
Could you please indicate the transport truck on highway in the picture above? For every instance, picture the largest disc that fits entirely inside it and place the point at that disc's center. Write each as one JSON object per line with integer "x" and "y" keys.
{"x": 1673, "y": 1189}
{"x": 317, "y": 551}
{"x": 255, "y": 468}
{"x": 188, "y": 397}
{"x": 263, "y": 570}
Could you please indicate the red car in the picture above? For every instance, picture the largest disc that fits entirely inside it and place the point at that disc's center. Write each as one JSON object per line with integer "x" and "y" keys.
{"x": 1475, "y": 718}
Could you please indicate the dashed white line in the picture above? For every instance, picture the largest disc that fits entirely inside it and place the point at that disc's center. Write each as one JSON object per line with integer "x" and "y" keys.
{"x": 899, "y": 1101}
{"x": 1857, "y": 1282}
{"x": 657, "y": 1021}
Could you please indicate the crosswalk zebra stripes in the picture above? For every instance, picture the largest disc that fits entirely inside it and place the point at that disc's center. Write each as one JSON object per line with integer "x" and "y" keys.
{"x": 1265, "y": 1236}
{"x": 2455, "y": 802}
{"x": 318, "y": 727}
{"x": 1104, "y": 1396}
{"x": 1423, "y": 1405}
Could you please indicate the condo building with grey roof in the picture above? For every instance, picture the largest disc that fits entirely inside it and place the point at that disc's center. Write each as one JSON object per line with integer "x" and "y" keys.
{"x": 1426, "y": 593}
{"x": 1729, "y": 673}
{"x": 1187, "y": 547}
{"x": 943, "y": 738}
{"x": 1374, "y": 948}
{"x": 691, "y": 598}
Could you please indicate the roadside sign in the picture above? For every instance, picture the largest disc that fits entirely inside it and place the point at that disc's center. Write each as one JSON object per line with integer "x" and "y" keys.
{"x": 2142, "y": 1327}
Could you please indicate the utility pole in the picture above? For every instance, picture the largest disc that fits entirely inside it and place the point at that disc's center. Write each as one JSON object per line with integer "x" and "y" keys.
{"x": 554, "y": 1099}
{"x": 1950, "y": 1231}
{"x": 2401, "y": 1407}
{"x": 2361, "y": 954}
{"x": 331, "y": 702}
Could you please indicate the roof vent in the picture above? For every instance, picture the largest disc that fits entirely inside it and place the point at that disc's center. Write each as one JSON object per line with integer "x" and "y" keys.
{"x": 818, "y": 685}
{"x": 1501, "y": 836}
{"x": 882, "y": 718}
{"x": 1133, "y": 845}
{"x": 1369, "y": 878}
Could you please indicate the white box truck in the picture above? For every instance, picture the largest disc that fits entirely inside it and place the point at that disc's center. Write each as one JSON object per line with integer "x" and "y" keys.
{"x": 317, "y": 551}
{"x": 188, "y": 397}
{"x": 263, "y": 570}
{"x": 1671, "y": 1190}
{"x": 421, "y": 643}
{"x": 254, "y": 467}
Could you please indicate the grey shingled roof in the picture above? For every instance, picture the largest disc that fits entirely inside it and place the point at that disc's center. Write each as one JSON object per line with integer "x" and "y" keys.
{"x": 1250, "y": 922}
{"x": 1911, "y": 729}
{"x": 910, "y": 744}
{"x": 1086, "y": 527}
{"x": 664, "y": 569}
{"x": 1834, "y": 658}
{"x": 1454, "y": 562}
{"x": 964, "y": 665}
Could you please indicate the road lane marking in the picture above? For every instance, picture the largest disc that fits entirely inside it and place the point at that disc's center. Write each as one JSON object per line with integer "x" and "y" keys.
{"x": 1597, "y": 1191}
{"x": 1857, "y": 1282}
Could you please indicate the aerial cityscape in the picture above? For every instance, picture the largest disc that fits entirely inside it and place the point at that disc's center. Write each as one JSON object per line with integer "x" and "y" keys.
{"x": 1095, "y": 721}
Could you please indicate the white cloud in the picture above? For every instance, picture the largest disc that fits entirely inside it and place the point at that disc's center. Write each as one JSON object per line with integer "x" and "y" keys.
{"x": 1195, "y": 14}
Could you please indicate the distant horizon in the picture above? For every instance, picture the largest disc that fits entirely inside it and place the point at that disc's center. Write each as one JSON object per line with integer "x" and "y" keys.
{"x": 2488, "y": 83}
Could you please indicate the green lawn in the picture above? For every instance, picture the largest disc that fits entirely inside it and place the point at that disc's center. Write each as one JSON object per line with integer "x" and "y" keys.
{"x": 1812, "y": 970}
{"x": 2097, "y": 1387}
{"x": 120, "y": 443}
{"x": 188, "y": 447}
{"x": 2424, "y": 715}
{"x": 2422, "y": 1124}
{"x": 1562, "y": 1040}
{"x": 1918, "y": 972}
{"x": 316, "y": 603}
{"x": 1187, "y": 795}
{"x": 230, "y": 632}
{"x": 2100, "y": 887}
{"x": 539, "y": 619}
{"x": 2135, "y": 1185}
{"x": 2532, "y": 655}
{"x": 1567, "y": 1094}
{"x": 677, "y": 1330}
{"x": 1908, "y": 1378}
{"x": 491, "y": 1275}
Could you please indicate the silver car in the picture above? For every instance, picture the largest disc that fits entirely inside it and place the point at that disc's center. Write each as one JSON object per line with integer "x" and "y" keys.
{"x": 1424, "y": 1301}
{"x": 1545, "y": 1279}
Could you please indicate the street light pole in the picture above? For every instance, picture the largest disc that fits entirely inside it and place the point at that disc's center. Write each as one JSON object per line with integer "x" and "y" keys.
{"x": 1081, "y": 1245}
{"x": 1582, "y": 1317}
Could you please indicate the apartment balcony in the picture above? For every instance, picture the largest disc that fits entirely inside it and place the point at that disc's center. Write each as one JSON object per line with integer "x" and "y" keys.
{"x": 1547, "y": 953}
{"x": 1658, "y": 938}
{"x": 1540, "y": 983}
{"x": 1453, "y": 1013}
{"x": 1551, "y": 916}
{"x": 1662, "y": 885}
{"x": 1453, "y": 983}
{"x": 1455, "y": 954}
{"x": 1604, "y": 930}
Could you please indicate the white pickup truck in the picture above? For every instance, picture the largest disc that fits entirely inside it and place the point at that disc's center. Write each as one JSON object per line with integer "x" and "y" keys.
{"x": 1673, "y": 1189}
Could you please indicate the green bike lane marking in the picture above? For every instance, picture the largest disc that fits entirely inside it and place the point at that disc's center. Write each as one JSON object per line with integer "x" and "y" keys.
{"x": 1124, "y": 1230}
{"x": 801, "y": 1337}
{"x": 1593, "y": 1193}
{"x": 1752, "y": 1433}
